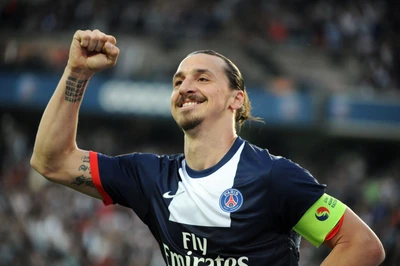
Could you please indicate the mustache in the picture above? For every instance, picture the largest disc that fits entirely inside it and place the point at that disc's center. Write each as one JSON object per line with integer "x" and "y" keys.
{"x": 191, "y": 97}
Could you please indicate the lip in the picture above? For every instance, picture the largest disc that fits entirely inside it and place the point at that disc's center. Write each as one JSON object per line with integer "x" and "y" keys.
{"x": 188, "y": 99}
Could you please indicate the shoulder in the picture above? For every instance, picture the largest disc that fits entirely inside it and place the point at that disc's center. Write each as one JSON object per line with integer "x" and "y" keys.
{"x": 257, "y": 153}
{"x": 286, "y": 166}
{"x": 263, "y": 157}
{"x": 291, "y": 177}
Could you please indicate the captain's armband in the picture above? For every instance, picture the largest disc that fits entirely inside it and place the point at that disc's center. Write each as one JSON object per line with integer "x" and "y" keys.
{"x": 320, "y": 219}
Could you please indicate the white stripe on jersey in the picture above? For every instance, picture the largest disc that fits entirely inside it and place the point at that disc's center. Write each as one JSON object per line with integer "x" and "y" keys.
{"x": 199, "y": 204}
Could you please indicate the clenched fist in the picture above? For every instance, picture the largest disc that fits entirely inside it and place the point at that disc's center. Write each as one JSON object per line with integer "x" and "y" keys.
{"x": 92, "y": 51}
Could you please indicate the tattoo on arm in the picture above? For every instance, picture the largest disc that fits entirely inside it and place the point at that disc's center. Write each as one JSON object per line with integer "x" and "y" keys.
{"x": 85, "y": 159}
{"x": 74, "y": 89}
{"x": 84, "y": 168}
{"x": 84, "y": 180}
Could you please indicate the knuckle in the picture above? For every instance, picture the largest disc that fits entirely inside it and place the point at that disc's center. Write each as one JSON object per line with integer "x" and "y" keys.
{"x": 111, "y": 39}
{"x": 95, "y": 36}
{"x": 103, "y": 37}
{"x": 79, "y": 34}
{"x": 98, "y": 33}
{"x": 84, "y": 35}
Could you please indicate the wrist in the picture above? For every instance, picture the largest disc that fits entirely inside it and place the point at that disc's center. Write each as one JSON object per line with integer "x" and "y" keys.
{"x": 75, "y": 82}
{"x": 80, "y": 74}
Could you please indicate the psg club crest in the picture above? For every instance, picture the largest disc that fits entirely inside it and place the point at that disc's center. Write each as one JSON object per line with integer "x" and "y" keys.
{"x": 322, "y": 214}
{"x": 231, "y": 200}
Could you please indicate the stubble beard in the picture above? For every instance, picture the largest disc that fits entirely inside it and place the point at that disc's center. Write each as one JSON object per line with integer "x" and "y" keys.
{"x": 190, "y": 124}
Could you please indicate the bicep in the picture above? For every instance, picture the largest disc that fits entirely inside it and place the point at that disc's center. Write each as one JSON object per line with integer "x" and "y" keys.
{"x": 76, "y": 173}
{"x": 353, "y": 229}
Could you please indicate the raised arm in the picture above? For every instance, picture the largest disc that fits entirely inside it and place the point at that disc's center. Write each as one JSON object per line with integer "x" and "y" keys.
{"x": 55, "y": 154}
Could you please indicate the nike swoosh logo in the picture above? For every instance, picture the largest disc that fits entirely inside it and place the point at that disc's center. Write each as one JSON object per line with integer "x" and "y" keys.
{"x": 169, "y": 196}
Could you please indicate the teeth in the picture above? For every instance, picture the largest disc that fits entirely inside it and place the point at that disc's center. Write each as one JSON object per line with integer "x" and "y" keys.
{"x": 188, "y": 104}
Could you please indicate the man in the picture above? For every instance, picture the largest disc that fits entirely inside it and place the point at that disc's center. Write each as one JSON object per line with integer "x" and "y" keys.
{"x": 224, "y": 202}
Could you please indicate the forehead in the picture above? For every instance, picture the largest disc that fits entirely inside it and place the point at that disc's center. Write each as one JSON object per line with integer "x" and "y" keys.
{"x": 211, "y": 63}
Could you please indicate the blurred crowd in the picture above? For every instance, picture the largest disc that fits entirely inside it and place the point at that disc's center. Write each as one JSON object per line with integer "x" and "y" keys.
{"x": 45, "y": 224}
{"x": 362, "y": 30}
{"x": 42, "y": 223}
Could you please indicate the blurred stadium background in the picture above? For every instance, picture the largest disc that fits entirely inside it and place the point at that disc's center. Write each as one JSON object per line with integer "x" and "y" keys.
{"x": 323, "y": 74}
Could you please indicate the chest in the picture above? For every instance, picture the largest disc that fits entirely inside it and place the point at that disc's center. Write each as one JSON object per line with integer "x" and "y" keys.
{"x": 228, "y": 198}
{"x": 219, "y": 217}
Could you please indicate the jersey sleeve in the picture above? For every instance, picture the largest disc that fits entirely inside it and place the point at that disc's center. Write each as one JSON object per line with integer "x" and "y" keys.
{"x": 294, "y": 190}
{"x": 301, "y": 202}
{"x": 125, "y": 179}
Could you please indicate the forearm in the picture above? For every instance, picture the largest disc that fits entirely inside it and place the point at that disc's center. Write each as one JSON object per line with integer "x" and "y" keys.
{"x": 353, "y": 255}
{"x": 56, "y": 135}
{"x": 55, "y": 153}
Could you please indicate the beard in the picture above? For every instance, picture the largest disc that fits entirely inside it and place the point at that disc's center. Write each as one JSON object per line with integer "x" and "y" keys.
{"x": 190, "y": 124}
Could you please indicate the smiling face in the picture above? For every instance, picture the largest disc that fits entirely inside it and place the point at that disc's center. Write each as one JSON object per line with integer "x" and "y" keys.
{"x": 201, "y": 91}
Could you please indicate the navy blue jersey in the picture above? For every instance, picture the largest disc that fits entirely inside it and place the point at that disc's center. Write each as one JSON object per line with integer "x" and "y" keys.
{"x": 239, "y": 212}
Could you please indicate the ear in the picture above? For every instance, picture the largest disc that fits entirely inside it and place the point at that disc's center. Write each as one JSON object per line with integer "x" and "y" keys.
{"x": 238, "y": 100}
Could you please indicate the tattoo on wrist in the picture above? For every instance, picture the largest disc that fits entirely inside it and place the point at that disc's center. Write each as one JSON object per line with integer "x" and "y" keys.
{"x": 81, "y": 180}
{"x": 74, "y": 89}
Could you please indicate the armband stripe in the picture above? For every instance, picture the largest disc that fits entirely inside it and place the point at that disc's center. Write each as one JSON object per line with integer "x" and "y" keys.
{"x": 320, "y": 219}
{"x": 335, "y": 230}
{"x": 94, "y": 168}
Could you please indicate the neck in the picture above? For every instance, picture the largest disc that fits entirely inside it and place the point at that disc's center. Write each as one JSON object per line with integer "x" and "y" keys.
{"x": 205, "y": 148}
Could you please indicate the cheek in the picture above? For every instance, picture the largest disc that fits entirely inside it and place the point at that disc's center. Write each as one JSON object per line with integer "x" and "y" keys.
{"x": 222, "y": 98}
{"x": 174, "y": 98}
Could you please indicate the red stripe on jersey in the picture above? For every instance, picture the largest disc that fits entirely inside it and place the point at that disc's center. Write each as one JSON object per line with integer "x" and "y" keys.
{"x": 94, "y": 168}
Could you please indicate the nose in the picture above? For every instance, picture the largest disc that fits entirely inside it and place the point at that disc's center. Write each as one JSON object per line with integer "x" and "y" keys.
{"x": 187, "y": 86}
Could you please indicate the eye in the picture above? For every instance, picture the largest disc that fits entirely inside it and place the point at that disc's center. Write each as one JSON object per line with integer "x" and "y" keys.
{"x": 178, "y": 82}
{"x": 203, "y": 79}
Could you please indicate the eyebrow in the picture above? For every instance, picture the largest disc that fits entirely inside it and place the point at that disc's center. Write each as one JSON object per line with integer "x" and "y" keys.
{"x": 194, "y": 71}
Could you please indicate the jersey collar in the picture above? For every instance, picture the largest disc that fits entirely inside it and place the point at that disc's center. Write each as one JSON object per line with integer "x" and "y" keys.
{"x": 206, "y": 172}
